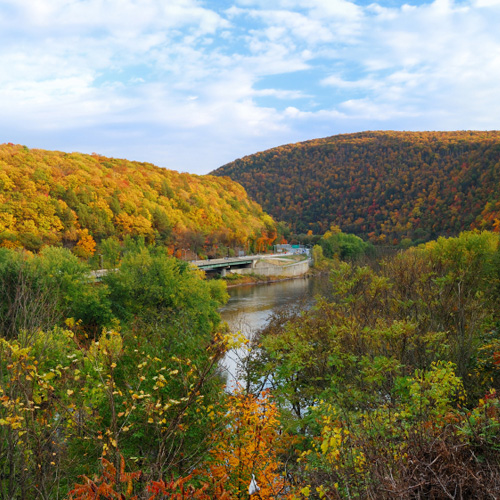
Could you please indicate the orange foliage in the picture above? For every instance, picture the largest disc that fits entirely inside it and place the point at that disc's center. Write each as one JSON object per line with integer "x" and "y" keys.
{"x": 179, "y": 489}
{"x": 416, "y": 185}
{"x": 266, "y": 239}
{"x": 85, "y": 247}
{"x": 112, "y": 484}
{"x": 252, "y": 444}
{"x": 46, "y": 197}
{"x": 249, "y": 444}
{"x": 116, "y": 483}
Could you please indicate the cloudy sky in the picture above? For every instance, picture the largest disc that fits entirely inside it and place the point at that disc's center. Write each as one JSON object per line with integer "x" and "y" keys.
{"x": 193, "y": 84}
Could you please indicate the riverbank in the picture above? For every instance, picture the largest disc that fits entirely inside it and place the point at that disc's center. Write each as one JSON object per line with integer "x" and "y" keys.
{"x": 234, "y": 280}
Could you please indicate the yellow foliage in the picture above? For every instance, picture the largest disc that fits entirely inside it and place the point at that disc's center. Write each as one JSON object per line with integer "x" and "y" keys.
{"x": 85, "y": 247}
{"x": 49, "y": 196}
{"x": 134, "y": 224}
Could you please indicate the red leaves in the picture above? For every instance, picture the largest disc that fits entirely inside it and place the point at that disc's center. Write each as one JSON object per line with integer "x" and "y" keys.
{"x": 112, "y": 485}
{"x": 496, "y": 358}
{"x": 109, "y": 486}
{"x": 179, "y": 489}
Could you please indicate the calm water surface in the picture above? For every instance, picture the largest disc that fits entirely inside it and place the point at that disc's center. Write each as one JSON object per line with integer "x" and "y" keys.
{"x": 250, "y": 307}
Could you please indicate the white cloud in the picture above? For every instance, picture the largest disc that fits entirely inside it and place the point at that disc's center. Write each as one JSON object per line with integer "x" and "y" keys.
{"x": 376, "y": 111}
{"x": 435, "y": 61}
{"x": 115, "y": 15}
{"x": 323, "y": 115}
{"x": 338, "y": 82}
{"x": 286, "y": 25}
{"x": 281, "y": 94}
{"x": 487, "y": 3}
{"x": 184, "y": 79}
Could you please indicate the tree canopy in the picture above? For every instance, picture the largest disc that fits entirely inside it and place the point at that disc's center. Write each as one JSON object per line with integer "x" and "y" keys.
{"x": 383, "y": 186}
{"x": 76, "y": 200}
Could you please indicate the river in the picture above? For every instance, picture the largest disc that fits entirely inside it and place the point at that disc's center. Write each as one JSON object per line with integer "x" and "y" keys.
{"x": 250, "y": 307}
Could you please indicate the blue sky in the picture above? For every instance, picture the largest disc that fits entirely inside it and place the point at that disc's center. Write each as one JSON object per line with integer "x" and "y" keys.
{"x": 191, "y": 85}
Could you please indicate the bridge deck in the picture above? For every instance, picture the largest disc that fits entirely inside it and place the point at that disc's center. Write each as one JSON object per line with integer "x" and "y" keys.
{"x": 233, "y": 261}
{"x": 224, "y": 263}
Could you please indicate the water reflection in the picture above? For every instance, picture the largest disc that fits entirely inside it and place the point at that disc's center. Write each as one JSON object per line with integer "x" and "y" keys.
{"x": 250, "y": 307}
{"x": 254, "y": 304}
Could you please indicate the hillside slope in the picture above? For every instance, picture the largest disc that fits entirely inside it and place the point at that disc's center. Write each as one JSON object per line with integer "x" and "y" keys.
{"x": 50, "y": 197}
{"x": 385, "y": 186}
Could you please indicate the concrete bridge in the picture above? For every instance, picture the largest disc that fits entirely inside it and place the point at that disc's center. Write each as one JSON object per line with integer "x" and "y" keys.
{"x": 223, "y": 265}
{"x": 258, "y": 264}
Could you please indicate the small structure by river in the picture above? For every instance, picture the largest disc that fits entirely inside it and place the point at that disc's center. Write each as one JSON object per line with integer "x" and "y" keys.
{"x": 279, "y": 266}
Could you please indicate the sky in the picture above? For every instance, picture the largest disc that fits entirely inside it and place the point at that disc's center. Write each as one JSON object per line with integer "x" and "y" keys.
{"x": 191, "y": 85}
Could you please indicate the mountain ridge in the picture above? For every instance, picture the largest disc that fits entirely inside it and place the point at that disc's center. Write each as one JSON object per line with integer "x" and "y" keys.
{"x": 53, "y": 198}
{"x": 386, "y": 186}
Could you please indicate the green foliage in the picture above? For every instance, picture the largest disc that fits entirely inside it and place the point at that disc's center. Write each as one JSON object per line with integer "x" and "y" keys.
{"x": 41, "y": 291}
{"x": 376, "y": 450}
{"x": 385, "y": 388}
{"x": 110, "y": 249}
{"x": 383, "y": 377}
{"x": 336, "y": 244}
{"x": 65, "y": 405}
{"x": 153, "y": 288}
{"x": 143, "y": 389}
{"x": 317, "y": 255}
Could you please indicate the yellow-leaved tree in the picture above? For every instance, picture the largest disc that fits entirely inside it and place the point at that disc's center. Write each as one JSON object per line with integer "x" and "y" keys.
{"x": 85, "y": 246}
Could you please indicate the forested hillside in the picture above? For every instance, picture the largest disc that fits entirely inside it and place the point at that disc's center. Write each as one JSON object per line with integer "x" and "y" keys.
{"x": 385, "y": 186}
{"x": 50, "y": 197}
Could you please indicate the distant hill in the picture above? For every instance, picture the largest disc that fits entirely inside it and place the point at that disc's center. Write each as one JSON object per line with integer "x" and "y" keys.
{"x": 385, "y": 186}
{"x": 50, "y": 197}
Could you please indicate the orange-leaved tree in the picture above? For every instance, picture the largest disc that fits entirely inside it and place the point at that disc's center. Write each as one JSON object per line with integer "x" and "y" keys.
{"x": 252, "y": 444}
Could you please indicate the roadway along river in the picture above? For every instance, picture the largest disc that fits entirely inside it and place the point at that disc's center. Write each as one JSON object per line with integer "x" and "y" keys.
{"x": 249, "y": 309}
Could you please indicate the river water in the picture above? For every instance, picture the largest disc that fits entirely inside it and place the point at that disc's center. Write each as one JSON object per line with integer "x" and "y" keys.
{"x": 250, "y": 307}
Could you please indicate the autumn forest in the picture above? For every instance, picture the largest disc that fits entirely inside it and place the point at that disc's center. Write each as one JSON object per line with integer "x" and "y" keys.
{"x": 76, "y": 200}
{"x": 383, "y": 186}
{"x": 385, "y": 387}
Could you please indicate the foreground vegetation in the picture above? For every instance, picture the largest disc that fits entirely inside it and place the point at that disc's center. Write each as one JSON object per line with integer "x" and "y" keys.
{"x": 386, "y": 388}
{"x": 390, "y": 381}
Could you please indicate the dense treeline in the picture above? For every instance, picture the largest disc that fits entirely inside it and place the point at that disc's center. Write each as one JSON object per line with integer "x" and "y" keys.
{"x": 385, "y": 186}
{"x": 76, "y": 200}
{"x": 112, "y": 390}
{"x": 390, "y": 382}
{"x": 386, "y": 388}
